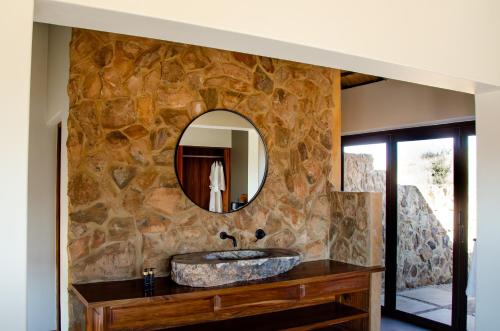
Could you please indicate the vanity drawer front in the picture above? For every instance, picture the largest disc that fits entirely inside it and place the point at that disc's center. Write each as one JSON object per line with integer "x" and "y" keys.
{"x": 328, "y": 289}
{"x": 258, "y": 299}
{"x": 153, "y": 314}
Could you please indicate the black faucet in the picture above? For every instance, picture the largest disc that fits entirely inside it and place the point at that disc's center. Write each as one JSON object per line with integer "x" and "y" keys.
{"x": 224, "y": 235}
{"x": 259, "y": 234}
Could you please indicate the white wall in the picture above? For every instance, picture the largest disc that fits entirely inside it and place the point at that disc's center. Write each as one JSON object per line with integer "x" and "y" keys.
{"x": 42, "y": 165}
{"x": 57, "y": 111}
{"x": 394, "y": 104}
{"x": 15, "y": 60}
{"x": 206, "y": 137}
{"x": 445, "y": 43}
{"x": 58, "y": 74}
{"x": 488, "y": 184}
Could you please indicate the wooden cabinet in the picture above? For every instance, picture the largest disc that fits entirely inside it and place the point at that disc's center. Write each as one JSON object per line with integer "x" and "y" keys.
{"x": 313, "y": 295}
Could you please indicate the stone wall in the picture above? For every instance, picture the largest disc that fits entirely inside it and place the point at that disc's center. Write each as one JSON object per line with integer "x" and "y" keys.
{"x": 424, "y": 247}
{"x": 356, "y": 237}
{"x": 130, "y": 98}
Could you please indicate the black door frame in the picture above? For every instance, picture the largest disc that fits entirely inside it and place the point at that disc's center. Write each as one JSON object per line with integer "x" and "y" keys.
{"x": 459, "y": 132}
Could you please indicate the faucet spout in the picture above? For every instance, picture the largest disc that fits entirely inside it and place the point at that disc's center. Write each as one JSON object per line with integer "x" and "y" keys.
{"x": 224, "y": 235}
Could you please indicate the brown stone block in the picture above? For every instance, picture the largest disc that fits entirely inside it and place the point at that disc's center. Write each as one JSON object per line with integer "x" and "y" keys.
{"x": 172, "y": 71}
{"x": 145, "y": 178}
{"x": 92, "y": 85}
{"x": 247, "y": 59}
{"x": 116, "y": 139}
{"x": 133, "y": 201}
{"x": 85, "y": 116}
{"x": 175, "y": 118}
{"x": 121, "y": 228}
{"x": 118, "y": 113}
{"x": 175, "y": 97}
{"x": 152, "y": 223}
{"x": 83, "y": 189}
{"x": 262, "y": 82}
{"x": 282, "y": 239}
{"x": 150, "y": 57}
{"x": 266, "y": 63}
{"x": 210, "y": 97}
{"x": 122, "y": 175}
{"x": 145, "y": 110}
{"x": 135, "y": 84}
{"x": 83, "y": 43}
{"x": 165, "y": 200}
{"x": 103, "y": 56}
{"x": 231, "y": 99}
{"x": 158, "y": 138}
{"x": 135, "y": 131}
{"x": 98, "y": 239}
{"x": 229, "y": 83}
{"x": 302, "y": 88}
{"x": 79, "y": 248}
{"x": 140, "y": 151}
{"x": 194, "y": 58}
{"x": 152, "y": 80}
{"x": 229, "y": 70}
{"x": 116, "y": 261}
{"x": 97, "y": 213}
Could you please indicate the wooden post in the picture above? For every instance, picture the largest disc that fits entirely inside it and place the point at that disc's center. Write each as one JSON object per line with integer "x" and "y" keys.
{"x": 335, "y": 175}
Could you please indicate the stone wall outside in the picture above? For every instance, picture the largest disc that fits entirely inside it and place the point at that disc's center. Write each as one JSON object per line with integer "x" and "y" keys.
{"x": 424, "y": 247}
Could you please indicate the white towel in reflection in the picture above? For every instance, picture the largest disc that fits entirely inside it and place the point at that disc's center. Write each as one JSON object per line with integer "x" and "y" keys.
{"x": 471, "y": 281}
{"x": 217, "y": 185}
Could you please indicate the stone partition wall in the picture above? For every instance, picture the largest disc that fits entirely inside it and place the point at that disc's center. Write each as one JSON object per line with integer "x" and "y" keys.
{"x": 356, "y": 237}
{"x": 131, "y": 97}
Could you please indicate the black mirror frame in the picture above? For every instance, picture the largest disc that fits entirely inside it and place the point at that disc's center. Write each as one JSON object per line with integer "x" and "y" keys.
{"x": 265, "y": 170}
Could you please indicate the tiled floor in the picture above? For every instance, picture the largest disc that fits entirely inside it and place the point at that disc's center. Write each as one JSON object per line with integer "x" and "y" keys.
{"x": 432, "y": 302}
{"x": 389, "y": 324}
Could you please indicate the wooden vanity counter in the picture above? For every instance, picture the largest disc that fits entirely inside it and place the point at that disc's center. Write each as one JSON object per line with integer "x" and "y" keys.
{"x": 313, "y": 295}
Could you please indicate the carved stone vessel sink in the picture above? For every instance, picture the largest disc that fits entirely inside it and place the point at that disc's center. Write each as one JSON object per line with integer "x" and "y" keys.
{"x": 206, "y": 269}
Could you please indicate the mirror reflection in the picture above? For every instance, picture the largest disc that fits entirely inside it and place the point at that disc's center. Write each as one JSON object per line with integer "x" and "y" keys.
{"x": 221, "y": 161}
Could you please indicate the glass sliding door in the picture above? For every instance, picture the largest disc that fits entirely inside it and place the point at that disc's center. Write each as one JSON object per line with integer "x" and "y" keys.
{"x": 425, "y": 228}
{"x": 427, "y": 177}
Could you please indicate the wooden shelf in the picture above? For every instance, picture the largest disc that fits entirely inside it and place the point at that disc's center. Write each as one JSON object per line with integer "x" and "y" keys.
{"x": 315, "y": 317}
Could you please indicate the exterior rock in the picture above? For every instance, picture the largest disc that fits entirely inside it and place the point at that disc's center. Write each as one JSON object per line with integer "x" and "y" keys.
{"x": 425, "y": 251}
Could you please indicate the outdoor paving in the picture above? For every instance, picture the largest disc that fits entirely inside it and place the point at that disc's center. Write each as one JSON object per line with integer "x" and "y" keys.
{"x": 434, "y": 303}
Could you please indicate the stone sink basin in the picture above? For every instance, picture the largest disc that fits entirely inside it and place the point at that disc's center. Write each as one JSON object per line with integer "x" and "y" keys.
{"x": 206, "y": 269}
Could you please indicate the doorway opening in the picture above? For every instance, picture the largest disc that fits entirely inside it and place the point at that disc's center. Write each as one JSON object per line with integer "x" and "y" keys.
{"x": 428, "y": 224}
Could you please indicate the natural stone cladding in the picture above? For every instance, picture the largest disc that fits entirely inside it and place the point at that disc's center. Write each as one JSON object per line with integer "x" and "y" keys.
{"x": 131, "y": 97}
{"x": 425, "y": 251}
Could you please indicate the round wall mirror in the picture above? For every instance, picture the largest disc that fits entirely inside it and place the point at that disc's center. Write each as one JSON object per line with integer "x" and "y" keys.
{"x": 221, "y": 161}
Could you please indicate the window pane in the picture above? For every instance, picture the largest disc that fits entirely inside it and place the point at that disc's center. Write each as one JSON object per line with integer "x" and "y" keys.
{"x": 425, "y": 228}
